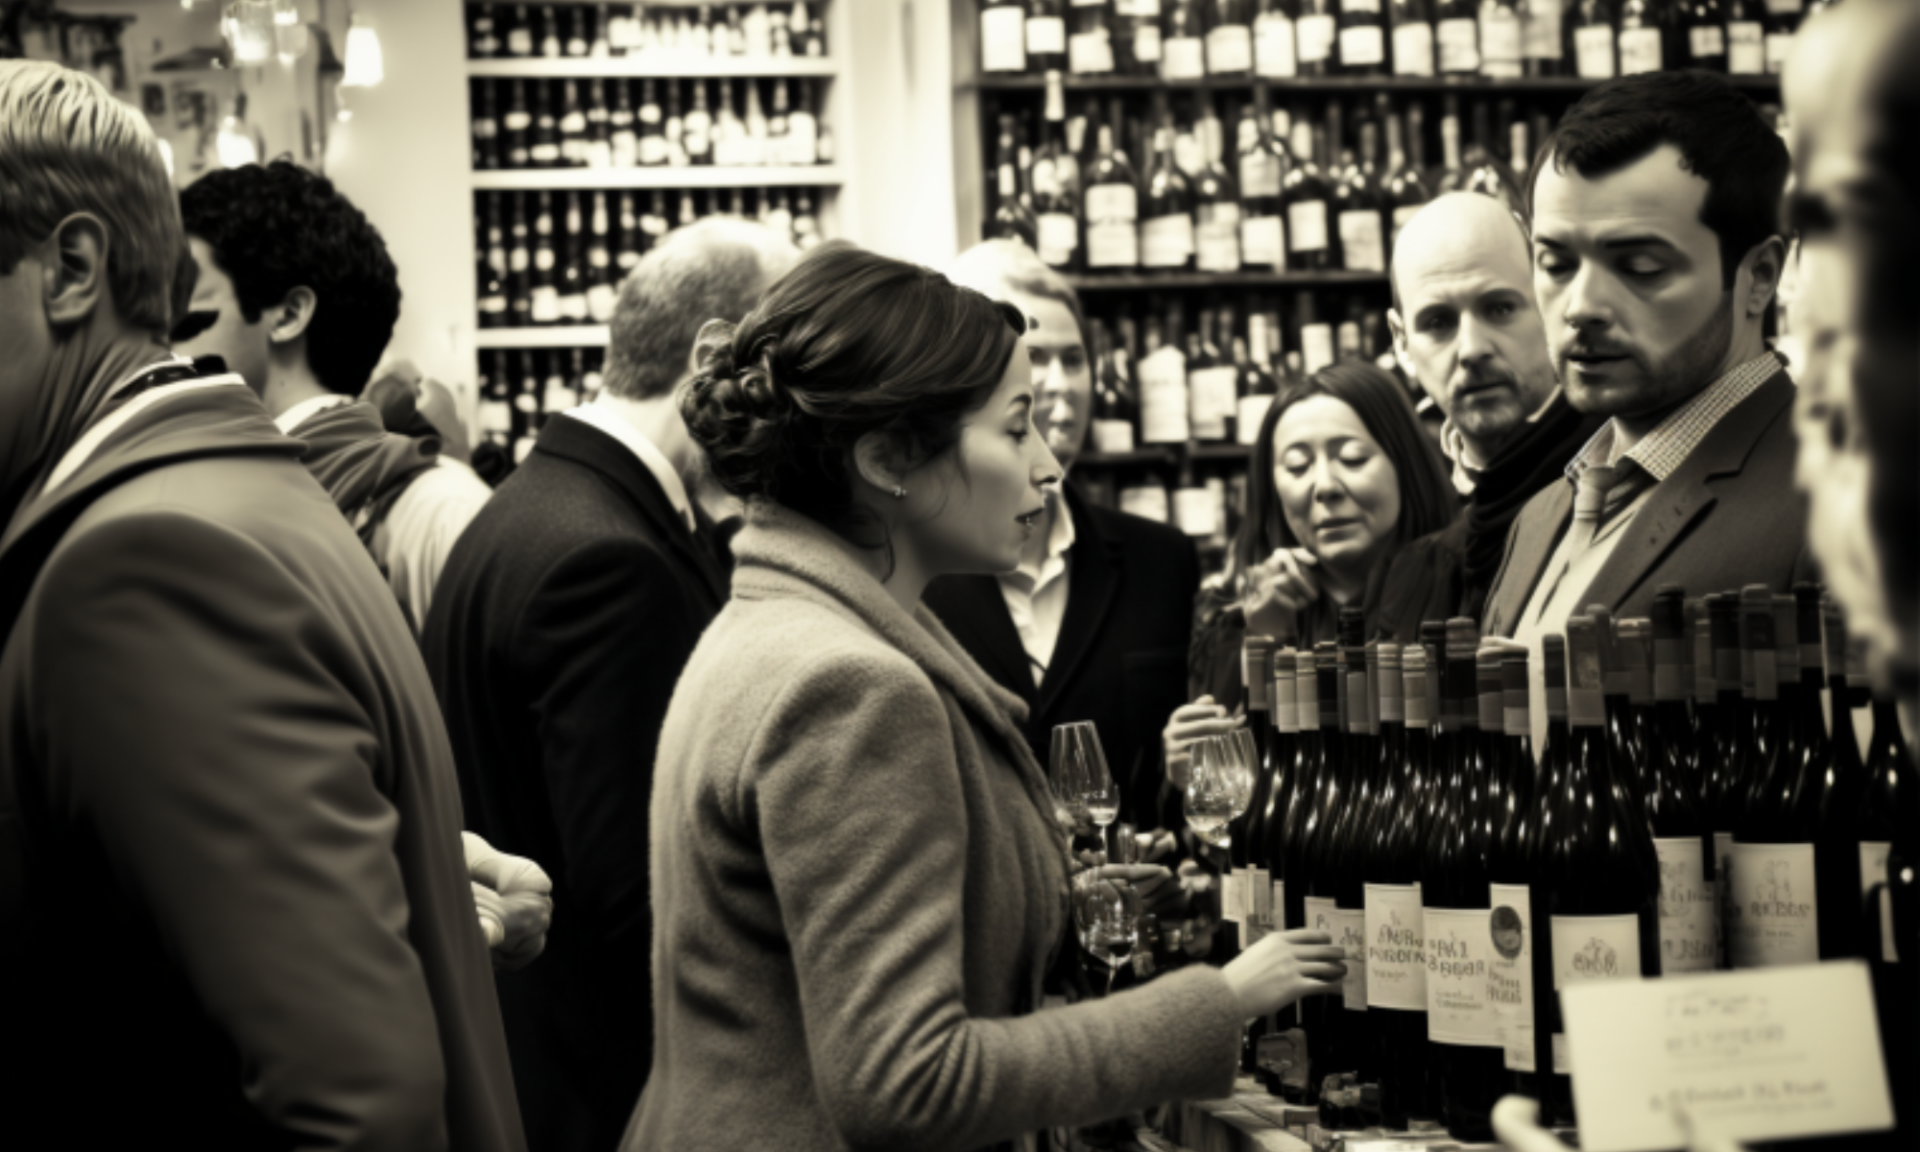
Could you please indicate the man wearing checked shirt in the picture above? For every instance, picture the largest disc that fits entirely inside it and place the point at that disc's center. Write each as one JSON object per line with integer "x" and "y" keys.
{"x": 1656, "y": 253}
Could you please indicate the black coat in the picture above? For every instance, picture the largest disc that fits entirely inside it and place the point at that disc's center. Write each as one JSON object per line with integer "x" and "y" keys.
{"x": 557, "y": 632}
{"x": 1121, "y": 660}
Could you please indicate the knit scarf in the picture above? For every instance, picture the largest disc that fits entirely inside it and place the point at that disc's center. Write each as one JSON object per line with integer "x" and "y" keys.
{"x": 1538, "y": 458}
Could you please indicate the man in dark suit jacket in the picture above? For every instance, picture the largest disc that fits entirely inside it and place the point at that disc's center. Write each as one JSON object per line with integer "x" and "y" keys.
{"x": 1656, "y": 257}
{"x": 231, "y": 879}
{"x": 1096, "y": 622}
{"x": 559, "y": 628}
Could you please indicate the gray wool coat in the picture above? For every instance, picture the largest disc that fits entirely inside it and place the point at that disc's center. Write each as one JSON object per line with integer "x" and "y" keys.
{"x": 857, "y": 885}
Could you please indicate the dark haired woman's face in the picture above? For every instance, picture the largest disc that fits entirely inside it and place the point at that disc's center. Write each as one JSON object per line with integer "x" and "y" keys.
{"x": 1338, "y": 491}
{"x": 980, "y": 521}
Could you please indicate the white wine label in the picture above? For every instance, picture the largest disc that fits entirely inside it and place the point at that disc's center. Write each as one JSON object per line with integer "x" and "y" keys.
{"x": 1540, "y": 34}
{"x": 1639, "y": 50}
{"x": 1280, "y": 906}
{"x": 1003, "y": 40}
{"x": 1591, "y": 948}
{"x": 1183, "y": 58}
{"x": 1163, "y": 397}
{"x": 1746, "y": 47}
{"x": 1059, "y": 236}
{"x": 1046, "y": 34}
{"x": 1351, "y": 934}
{"x": 1259, "y": 895}
{"x": 1233, "y": 888}
{"x": 1090, "y": 52}
{"x": 1230, "y": 49}
{"x": 1307, "y": 225}
{"x": 1459, "y": 45}
{"x": 1500, "y": 41}
{"x": 1457, "y": 947}
{"x": 1413, "y": 49}
{"x": 1362, "y": 47}
{"x": 1687, "y": 907}
{"x": 1113, "y": 245}
{"x": 1263, "y": 241}
{"x": 1873, "y": 870}
{"x": 1319, "y": 912}
{"x": 1273, "y": 52}
{"x": 1593, "y": 52}
{"x": 1362, "y": 247}
{"x": 1112, "y": 203}
{"x": 1259, "y": 174}
{"x": 1211, "y": 393}
{"x": 1396, "y": 952}
{"x": 1314, "y": 36}
{"x": 1707, "y": 40}
{"x": 1166, "y": 241}
{"x": 1194, "y": 514}
{"x": 1252, "y": 410}
{"x": 1316, "y": 346}
{"x": 1113, "y": 435}
{"x": 1147, "y": 501}
{"x": 1510, "y": 972}
{"x": 1219, "y": 244}
{"x": 1779, "y": 47}
{"x": 1773, "y": 916}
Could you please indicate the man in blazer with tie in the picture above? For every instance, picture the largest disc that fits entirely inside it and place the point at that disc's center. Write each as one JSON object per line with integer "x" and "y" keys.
{"x": 560, "y": 626}
{"x": 1095, "y": 623}
{"x": 1656, "y": 256}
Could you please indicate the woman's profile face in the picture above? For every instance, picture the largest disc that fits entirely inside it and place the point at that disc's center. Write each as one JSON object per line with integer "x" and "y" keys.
{"x": 1338, "y": 491}
{"x": 980, "y": 520}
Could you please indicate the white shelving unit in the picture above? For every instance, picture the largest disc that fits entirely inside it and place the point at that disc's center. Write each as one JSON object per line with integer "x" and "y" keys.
{"x": 559, "y": 336}
{"x": 656, "y": 67}
{"x": 590, "y": 179}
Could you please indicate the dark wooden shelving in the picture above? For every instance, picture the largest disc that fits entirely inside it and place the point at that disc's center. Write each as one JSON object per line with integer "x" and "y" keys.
{"x": 1164, "y": 455}
{"x": 1146, "y": 281}
{"x": 1477, "y": 85}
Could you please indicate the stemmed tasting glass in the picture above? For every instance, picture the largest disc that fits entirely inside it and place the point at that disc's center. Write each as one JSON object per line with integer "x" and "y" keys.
{"x": 1082, "y": 785}
{"x": 1215, "y": 795}
{"x": 1106, "y": 908}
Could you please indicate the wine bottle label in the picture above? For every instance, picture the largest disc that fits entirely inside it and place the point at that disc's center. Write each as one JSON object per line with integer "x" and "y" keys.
{"x": 1707, "y": 40}
{"x": 1183, "y": 58}
{"x": 1163, "y": 397}
{"x": 600, "y": 301}
{"x": 1593, "y": 52}
{"x": 1263, "y": 241}
{"x": 1639, "y": 50}
{"x": 1307, "y": 225}
{"x": 1363, "y": 47}
{"x": 1259, "y": 174}
{"x": 1500, "y": 42}
{"x": 1278, "y": 914}
{"x": 1230, "y": 49}
{"x": 1167, "y": 241}
{"x": 1785, "y": 7}
{"x": 1350, "y": 933}
{"x": 1459, "y": 45}
{"x": 1146, "y": 44}
{"x": 1314, "y": 35}
{"x": 1540, "y": 34}
{"x": 1090, "y": 52}
{"x": 1773, "y": 916}
{"x": 1046, "y": 35}
{"x": 1319, "y": 912}
{"x": 1233, "y": 899}
{"x": 1113, "y": 435}
{"x": 1510, "y": 972}
{"x": 1413, "y": 49}
{"x": 1396, "y": 952}
{"x": 1211, "y": 393}
{"x": 1316, "y": 346}
{"x": 546, "y": 305}
{"x": 1591, "y": 948}
{"x": 1873, "y": 870}
{"x": 1259, "y": 897}
{"x": 1252, "y": 410}
{"x": 1219, "y": 244}
{"x": 1112, "y": 203}
{"x": 1003, "y": 40}
{"x": 1194, "y": 513}
{"x": 1779, "y": 47}
{"x": 1361, "y": 244}
{"x": 1059, "y": 235}
{"x": 1457, "y": 946}
{"x": 1273, "y": 51}
{"x": 1147, "y": 501}
{"x": 1113, "y": 245}
{"x": 1686, "y": 906}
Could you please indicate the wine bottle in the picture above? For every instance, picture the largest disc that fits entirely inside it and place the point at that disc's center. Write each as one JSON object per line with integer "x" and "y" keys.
{"x": 1346, "y": 857}
{"x": 1783, "y": 20}
{"x": 1698, "y": 633}
{"x": 1892, "y": 794}
{"x": 1839, "y": 780}
{"x": 1288, "y": 805}
{"x": 1412, "y": 22}
{"x": 1729, "y": 755}
{"x": 1316, "y": 32}
{"x": 603, "y": 284}
{"x": 492, "y": 276}
{"x": 1703, "y": 27}
{"x": 1263, "y": 169}
{"x": 1216, "y": 206}
{"x": 1183, "y": 50}
{"x": 1889, "y": 851}
{"x": 1112, "y": 205}
{"x": 1746, "y": 37}
{"x": 1457, "y": 29}
{"x": 1683, "y": 834}
{"x": 1500, "y": 39}
{"x": 1591, "y": 31}
{"x": 1274, "y": 54}
{"x": 1540, "y": 38}
{"x": 1518, "y": 967}
{"x": 698, "y": 127}
{"x": 550, "y": 42}
{"x": 1643, "y": 36}
{"x": 572, "y": 272}
{"x": 1406, "y": 191}
{"x": 1230, "y": 38}
{"x": 1114, "y": 408}
{"x": 1623, "y": 738}
{"x": 1324, "y": 1034}
{"x": 1301, "y": 825}
{"x": 1316, "y": 337}
{"x": 1245, "y": 831}
{"x": 1599, "y": 866}
{"x": 1012, "y": 220}
{"x": 1003, "y": 36}
{"x": 1363, "y": 38}
{"x": 546, "y": 286}
{"x": 1046, "y": 35}
{"x": 1254, "y": 385}
{"x": 1306, "y": 194}
{"x": 1090, "y": 40}
{"x": 1164, "y": 406}
{"x": 1357, "y": 202}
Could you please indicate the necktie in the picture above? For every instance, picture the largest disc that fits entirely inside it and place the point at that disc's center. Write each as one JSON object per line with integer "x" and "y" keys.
{"x": 1590, "y": 505}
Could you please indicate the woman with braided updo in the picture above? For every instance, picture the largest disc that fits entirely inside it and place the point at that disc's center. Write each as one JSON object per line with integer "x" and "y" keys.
{"x": 858, "y": 880}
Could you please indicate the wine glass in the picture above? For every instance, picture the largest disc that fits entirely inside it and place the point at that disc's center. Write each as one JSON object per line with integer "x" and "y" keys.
{"x": 1246, "y": 767}
{"x": 1081, "y": 782}
{"x": 1063, "y": 774}
{"x": 1106, "y": 910}
{"x": 1212, "y": 792}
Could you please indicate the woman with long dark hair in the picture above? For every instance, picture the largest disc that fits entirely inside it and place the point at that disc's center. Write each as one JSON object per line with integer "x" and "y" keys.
{"x": 859, "y": 878}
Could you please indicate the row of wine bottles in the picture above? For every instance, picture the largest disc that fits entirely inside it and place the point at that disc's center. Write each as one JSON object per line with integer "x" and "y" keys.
{"x": 1183, "y": 40}
{"x": 616, "y": 123}
{"x": 658, "y": 31}
{"x": 1293, "y": 193}
{"x": 558, "y": 257}
{"x": 521, "y": 389}
{"x": 1687, "y": 808}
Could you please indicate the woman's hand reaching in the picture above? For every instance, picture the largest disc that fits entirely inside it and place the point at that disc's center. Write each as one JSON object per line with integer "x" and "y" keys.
{"x": 1284, "y": 967}
{"x": 1191, "y": 722}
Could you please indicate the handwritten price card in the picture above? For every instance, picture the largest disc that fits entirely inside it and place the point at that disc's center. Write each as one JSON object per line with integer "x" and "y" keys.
{"x": 1764, "y": 1055}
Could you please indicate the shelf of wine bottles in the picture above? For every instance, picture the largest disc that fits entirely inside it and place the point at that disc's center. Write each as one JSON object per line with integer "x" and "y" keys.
{"x": 1483, "y": 826}
{"x": 1315, "y": 42}
{"x": 521, "y": 389}
{"x": 662, "y": 35}
{"x": 556, "y": 257}
{"x": 1005, "y": 82}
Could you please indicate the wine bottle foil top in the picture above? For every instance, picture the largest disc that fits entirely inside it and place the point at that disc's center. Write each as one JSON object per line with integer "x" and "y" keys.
{"x": 1786, "y": 639}
{"x": 1463, "y": 638}
{"x": 1669, "y": 614}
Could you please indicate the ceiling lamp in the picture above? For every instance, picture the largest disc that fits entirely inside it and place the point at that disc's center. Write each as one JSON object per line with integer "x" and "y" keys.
{"x": 289, "y": 34}
{"x": 364, "y": 65}
{"x": 249, "y": 31}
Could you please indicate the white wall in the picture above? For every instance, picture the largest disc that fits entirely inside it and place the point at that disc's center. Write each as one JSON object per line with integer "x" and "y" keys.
{"x": 900, "y": 195}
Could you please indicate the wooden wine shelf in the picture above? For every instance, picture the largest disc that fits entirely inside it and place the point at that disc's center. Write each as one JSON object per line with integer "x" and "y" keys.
{"x": 563, "y": 336}
{"x": 1475, "y": 85}
{"x": 1164, "y": 455}
{"x": 654, "y": 67}
{"x": 1147, "y": 281}
{"x": 592, "y": 179}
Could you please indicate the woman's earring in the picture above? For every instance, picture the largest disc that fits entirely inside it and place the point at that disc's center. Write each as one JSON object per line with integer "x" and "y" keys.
{"x": 899, "y": 493}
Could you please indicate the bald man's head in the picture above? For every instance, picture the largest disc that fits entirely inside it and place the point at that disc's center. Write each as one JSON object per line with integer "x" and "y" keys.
{"x": 1464, "y": 320}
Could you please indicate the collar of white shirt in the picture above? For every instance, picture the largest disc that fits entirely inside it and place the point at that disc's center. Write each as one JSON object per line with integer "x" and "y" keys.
{"x": 298, "y": 414}
{"x": 613, "y": 424}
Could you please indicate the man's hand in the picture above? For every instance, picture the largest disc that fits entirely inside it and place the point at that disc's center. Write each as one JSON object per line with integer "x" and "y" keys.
{"x": 514, "y": 899}
{"x": 1189, "y": 723}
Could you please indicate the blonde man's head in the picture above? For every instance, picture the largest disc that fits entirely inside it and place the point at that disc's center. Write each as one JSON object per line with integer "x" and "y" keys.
{"x": 67, "y": 147}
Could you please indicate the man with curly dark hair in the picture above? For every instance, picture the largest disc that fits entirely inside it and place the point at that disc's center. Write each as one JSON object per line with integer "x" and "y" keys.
{"x": 297, "y": 294}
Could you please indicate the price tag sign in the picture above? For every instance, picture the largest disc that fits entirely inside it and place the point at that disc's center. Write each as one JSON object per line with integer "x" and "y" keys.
{"x": 1772, "y": 1054}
